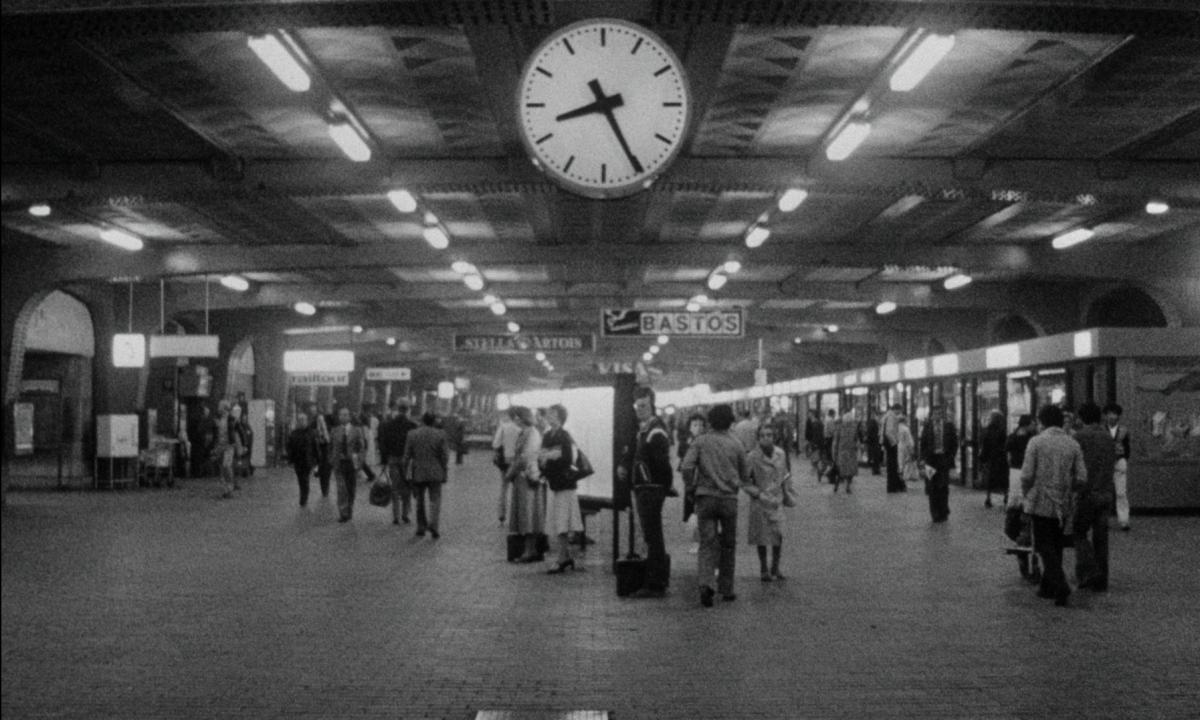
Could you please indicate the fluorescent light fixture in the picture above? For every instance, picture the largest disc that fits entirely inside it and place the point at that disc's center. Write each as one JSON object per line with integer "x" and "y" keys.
{"x": 956, "y": 281}
{"x": 490, "y": 299}
{"x": 305, "y": 308}
{"x": 701, "y": 298}
{"x": 945, "y": 364}
{"x": 1074, "y": 237}
{"x": 322, "y": 330}
{"x": 275, "y": 56}
{"x": 498, "y": 308}
{"x": 43, "y": 210}
{"x": 654, "y": 349}
{"x": 848, "y": 140}
{"x": 889, "y": 372}
{"x": 1002, "y": 356}
{"x": 513, "y": 327}
{"x": 915, "y": 369}
{"x": 436, "y": 237}
{"x": 122, "y": 239}
{"x": 462, "y": 267}
{"x": 928, "y": 53}
{"x": 886, "y": 307}
{"x": 348, "y": 139}
{"x": 664, "y": 339}
{"x": 539, "y": 356}
{"x": 129, "y": 350}
{"x": 1154, "y": 207}
{"x": 647, "y": 357}
{"x": 403, "y": 200}
{"x": 866, "y": 377}
{"x": 1084, "y": 346}
{"x": 391, "y": 341}
{"x": 732, "y": 267}
{"x": 791, "y": 199}
{"x": 474, "y": 281}
{"x": 692, "y": 306}
{"x": 357, "y": 329}
{"x": 300, "y": 361}
{"x": 717, "y": 280}
{"x": 832, "y": 328}
{"x": 503, "y": 402}
{"x": 757, "y": 235}
{"x": 235, "y": 282}
{"x": 445, "y": 390}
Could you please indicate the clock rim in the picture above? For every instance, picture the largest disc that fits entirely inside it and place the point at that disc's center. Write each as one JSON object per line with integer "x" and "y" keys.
{"x": 617, "y": 191}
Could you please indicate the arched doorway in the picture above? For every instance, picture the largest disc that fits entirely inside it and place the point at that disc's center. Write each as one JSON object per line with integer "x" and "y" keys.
{"x": 1012, "y": 328}
{"x": 1125, "y": 307}
{"x": 52, "y": 364}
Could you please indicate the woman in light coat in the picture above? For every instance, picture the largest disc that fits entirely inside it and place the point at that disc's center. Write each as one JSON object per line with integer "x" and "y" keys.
{"x": 906, "y": 451}
{"x": 769, "y": 471}
{"x": 527, "y": 514}
{"x": 845, "y": 450}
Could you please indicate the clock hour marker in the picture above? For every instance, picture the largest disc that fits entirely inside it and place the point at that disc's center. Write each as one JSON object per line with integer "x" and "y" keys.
{"x": 547, "y": 73}
{"x": 568, "y": 165}
{"x": 603, "y": 36}
{"x": 660, "y": 71}
{"x": 636, "y": 45}
{"x": 544, "y": 138}
{"x": 567, "y": 44}
{"x": 660, "y": 137}
{"x": 603, "y": 172}
{"x": 544, "y": 104}
{"x": 672, "y": 104}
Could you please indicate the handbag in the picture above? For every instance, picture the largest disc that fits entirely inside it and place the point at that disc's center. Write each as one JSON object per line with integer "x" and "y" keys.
{"x": 381, "y": 491}
{"x": 498, "y": 458}
{"x": 582, "y": 467}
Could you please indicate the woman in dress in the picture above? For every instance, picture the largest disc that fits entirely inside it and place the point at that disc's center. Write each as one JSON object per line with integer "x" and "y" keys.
{"x": 993, "y": 459}
{"x": 557, "y": 463}
{"x": 845, "y": 450}
{"x": 527, "y": 514}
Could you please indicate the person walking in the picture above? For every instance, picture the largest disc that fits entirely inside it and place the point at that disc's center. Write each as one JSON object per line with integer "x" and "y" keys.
{"x": 939, "y": 443}
{"x": 1014, "y": 448}
{"x": 1120, "y": 437}
{"x": 302, "y": 453}
{"x": 845, "y": 450}
{"x": 557, "y": 458}
{"x": 1095, "y": 501}
{"x": 906, "y": 452}
{"x": 1053, "y": 471}
{"x": 648, "y": 465}
{"x": 767, "y": 470}
{"x": 746, "y": 429}
{"x": 828, "y": 428}
{"x": 891, "y": 448}
{"x": 347, "y": 446}
{"x": 324, "y": 466}
{"x": 871, "y": 433}
{"x": 993, "y": 459}
{"x": 426, "y": 459}
{"x": 504, "y": 447}
{"x": 393, "y": 437}
{"x": 227, "y": 447}
{"x": 716, "y": 470}
{"x": 456, "y": 429}
{"x": 526, "y": 515}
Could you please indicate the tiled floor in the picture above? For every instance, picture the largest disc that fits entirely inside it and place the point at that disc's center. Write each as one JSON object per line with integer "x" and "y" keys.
{"x": 173, "y": 604}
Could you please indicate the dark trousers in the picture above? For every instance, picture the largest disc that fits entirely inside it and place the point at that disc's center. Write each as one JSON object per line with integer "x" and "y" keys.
{"x": 716, "y": 518}
{"x": 324, "y": 471}
{"x": 1048, "y": 544}
{"x": 458, "y": 454}
{"x": 302, "y": 474}
{"x": 938, "y": 489}
{"x": 1091, "y": 542}
{"x": 401, "y": 489}
{"x": 874, "y": 456}
{"x": 428, "y": 511}
{"x": 649, "y": 499}
{"x": 892, "y": 454}
{"x": 347, "y": 477}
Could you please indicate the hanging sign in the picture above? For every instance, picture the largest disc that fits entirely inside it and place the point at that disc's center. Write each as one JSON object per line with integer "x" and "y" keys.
{"x": 201, "y": 346}
{"x": 634, "y": 323}
{"x": 338, "y": 379}
{"x": 524, "y": 343}
{"x": 389, "y": 373}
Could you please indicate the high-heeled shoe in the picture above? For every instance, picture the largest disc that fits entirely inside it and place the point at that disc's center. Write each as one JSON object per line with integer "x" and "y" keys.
{"x": 527, "y": 559}
{"x": 561, "y": 567}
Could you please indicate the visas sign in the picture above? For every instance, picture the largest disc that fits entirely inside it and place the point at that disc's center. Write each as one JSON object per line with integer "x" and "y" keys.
{"x": 389, "y": 373}
{"x": 712, "y": 323}
{"x": 524, "y": 343}
{"x": 306, "y": 379}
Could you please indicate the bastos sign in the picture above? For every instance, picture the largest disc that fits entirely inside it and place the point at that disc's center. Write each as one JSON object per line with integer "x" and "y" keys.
{"x": 524, "y": 343}
{"x": 713, "y": 323}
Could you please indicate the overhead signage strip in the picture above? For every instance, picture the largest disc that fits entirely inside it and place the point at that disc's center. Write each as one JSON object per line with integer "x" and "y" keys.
{"x": 524, "y": 343}
{"x": 622, "y": 322}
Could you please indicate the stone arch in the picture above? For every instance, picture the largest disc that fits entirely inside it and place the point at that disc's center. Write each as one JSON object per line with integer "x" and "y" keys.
{"x": 1126, "y": 306}
{"x": 239, "y": 376}
{"x": 1012, "y": 327}
{"x": 49, "y": 321}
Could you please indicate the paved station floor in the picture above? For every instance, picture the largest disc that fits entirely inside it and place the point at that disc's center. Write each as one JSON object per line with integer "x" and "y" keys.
{"x": 174, "y": 604}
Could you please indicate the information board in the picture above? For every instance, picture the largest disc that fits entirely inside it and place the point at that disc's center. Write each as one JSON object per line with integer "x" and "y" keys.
{"x": 626, "y": 322}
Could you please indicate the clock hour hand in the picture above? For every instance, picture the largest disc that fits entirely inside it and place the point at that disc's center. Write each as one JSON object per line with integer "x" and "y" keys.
{"x": 601, "y": 105}
{"x": 606, "y": 109}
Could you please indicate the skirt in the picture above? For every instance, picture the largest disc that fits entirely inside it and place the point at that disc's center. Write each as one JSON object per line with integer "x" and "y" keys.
{"x": 564, "y": 516}
{"x": 762, "y": 527}
{"x": 527, "y": 509}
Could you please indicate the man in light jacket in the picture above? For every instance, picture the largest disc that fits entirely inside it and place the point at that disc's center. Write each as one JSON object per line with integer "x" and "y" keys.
{"x": 426, "y": 456}
{"x": 1052, "y": 473}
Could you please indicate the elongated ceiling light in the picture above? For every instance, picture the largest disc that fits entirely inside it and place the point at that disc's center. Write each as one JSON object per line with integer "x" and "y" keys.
{"x": 886, "y": 307}
{"x": 305, "y": 308}
{"x": 732, "y": 267}
{"x": 927, "y": 54}
{"x": 848, "y": 140}
{"x": 43, "y": 210}
{"x": 956, "y": 281}
{"x": 717, "y": 280}
{"x": 791, "y": 199}
{"x": 436, "y": 237}
{"x": 498, "y": 308}
{"x": 757, "y": 235}
{"x": 1072, "y": 238}
{"x": 473, "y": 281}
{"x": 275, "y": 56}
{"x": 513, "y": 327}
{"x": 348, "y": 139}
{"x": 403, "y": 200}
{"x": 235, "y": 282}
{"x": 462, "y": 267}
{"x": 122, "y": 239}
{"x": 1154, "y": 207}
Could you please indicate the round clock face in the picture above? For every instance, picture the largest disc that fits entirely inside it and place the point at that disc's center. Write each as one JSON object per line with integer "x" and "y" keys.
{"x": 603, "y": 107}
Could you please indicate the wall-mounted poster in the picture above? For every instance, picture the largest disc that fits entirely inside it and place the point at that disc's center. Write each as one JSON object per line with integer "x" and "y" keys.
{"x": 23, "y": 428}
{"x": 1166, "y": 425}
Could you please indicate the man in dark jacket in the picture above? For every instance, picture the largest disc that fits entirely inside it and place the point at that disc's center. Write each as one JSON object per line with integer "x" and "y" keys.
{"x": 302, "y": 453}
{"x": 1095, "y": 500}
{"x": 392, "y": 435}
{"x": 426, "y": 456}
{"x": 649, "y": 466}
{"x": 939, "y": 444}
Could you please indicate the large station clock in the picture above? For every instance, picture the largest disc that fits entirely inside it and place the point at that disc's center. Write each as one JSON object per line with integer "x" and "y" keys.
{"x": 603, "y": 107}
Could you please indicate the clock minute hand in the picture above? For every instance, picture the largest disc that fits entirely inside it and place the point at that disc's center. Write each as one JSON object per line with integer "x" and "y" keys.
{"x": 606, "y": 109}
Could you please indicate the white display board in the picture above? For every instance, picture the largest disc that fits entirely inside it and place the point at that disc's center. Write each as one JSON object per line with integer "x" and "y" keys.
{"x": 590, "y": 422}
{"x": 116, "y": 436}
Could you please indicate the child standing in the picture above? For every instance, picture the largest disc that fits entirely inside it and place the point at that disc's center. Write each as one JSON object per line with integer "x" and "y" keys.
{"x": 769, "y": 472}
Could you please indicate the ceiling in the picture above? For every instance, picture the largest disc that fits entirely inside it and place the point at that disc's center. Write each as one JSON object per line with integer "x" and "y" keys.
{"x": 1045, "y": 117}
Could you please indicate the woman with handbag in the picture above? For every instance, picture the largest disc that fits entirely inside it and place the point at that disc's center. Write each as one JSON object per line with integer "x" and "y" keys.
{"x": 526, "y": 515}
{"x": 558, "y": 464}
